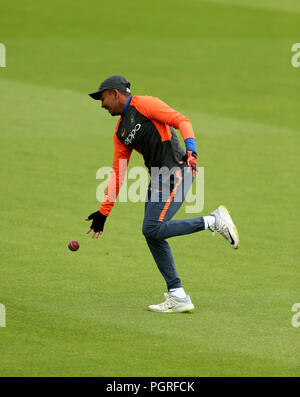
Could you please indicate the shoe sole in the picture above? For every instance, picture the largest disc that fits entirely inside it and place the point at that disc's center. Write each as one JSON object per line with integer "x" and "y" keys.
{"x": 187, "y": 309}
{"x": 231, "y": 225}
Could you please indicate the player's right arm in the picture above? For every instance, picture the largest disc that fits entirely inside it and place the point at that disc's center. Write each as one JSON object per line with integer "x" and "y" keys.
{"x": 121, "y": 158}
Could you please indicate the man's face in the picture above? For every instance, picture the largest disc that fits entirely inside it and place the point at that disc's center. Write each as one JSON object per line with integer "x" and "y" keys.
{"x": 109, "y": 101}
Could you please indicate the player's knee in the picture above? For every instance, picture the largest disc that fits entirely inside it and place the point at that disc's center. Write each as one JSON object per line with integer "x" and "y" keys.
{"x": 152, "y": 229}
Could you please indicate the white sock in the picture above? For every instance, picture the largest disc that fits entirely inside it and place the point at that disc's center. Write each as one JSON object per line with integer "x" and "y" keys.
{"x": 209, "y": 221}
{"x": 178, "y": 292}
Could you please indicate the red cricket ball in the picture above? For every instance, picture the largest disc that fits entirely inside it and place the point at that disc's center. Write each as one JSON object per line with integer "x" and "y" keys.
{"x": 73, "y": 245}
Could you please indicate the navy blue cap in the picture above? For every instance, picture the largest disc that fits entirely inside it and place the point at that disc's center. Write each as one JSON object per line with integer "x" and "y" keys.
{"x": 115, "y": 82}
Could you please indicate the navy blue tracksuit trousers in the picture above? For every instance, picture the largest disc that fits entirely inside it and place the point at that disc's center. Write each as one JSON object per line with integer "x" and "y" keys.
{"x": 166, "y": 193}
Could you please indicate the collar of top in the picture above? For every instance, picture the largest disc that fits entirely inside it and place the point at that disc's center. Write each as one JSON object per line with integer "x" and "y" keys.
{"x": 126, "y": 106}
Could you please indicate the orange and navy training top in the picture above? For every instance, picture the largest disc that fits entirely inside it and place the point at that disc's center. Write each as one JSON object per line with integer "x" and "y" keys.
{"x": 145, "y": 126}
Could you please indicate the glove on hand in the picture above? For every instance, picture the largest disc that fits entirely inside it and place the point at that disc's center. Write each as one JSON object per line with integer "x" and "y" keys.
{"x": 98, "y": 221}
{"x": 192, "y": 161}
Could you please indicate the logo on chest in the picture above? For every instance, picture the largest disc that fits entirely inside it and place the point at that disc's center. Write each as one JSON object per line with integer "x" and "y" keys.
{"x": 131, "y": 136}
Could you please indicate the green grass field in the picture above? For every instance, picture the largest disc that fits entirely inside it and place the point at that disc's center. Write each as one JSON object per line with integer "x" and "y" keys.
{"x": 227, "y": 66}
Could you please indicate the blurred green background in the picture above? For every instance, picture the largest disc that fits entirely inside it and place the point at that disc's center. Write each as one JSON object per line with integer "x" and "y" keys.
{"x": 227, "y": 66}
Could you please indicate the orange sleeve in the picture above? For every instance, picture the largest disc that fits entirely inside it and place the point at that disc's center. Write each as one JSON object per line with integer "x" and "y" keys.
{"x": 155, "y": 109}
{"x": 121, "y": 158}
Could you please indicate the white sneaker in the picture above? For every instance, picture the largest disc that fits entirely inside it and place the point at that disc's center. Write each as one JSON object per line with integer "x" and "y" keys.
{"x": 173, "y": 304}
{"x": 225, "y": 226}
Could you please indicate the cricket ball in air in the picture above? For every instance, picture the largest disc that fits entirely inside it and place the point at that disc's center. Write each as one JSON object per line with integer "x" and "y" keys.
{"x": 73, "y": 245}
